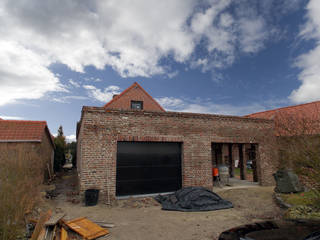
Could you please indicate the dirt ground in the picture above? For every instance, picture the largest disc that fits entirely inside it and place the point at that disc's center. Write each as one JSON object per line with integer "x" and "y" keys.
{"x": 143, "y": 219}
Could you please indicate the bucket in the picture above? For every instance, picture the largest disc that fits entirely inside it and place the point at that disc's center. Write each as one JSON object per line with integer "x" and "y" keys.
{"x": 223, "y": 174}
{"x": 215, "y": 172}
{"x": 91, "y": 197}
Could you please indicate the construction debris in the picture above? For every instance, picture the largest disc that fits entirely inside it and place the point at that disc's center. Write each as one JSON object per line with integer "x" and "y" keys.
{"x": 53, "y": 227}
{"x": 86, "y": 228}
{"x": 40, "y": 230}
{"x": 105, "y": 225}
{"x": 54, "y": 219}
{"x": 63, "y": 234}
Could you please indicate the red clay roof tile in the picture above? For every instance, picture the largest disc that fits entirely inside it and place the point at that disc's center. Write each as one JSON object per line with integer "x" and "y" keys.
{"x": 293, "y": 120}
{"x": 123, "y": 105}
{"x": 21, "y": 130}
{"x": 311, "y": 110}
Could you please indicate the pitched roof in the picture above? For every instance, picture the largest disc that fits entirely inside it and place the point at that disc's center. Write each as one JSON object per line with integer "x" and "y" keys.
{"x": 300, "y": 119}
{"x": 134, "y": 85}
{"x": 308, "y": 110}
{"x": 23, "y": 131}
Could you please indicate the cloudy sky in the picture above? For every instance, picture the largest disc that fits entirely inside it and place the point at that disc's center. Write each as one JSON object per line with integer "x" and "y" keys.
{"x": 210, "y": 56}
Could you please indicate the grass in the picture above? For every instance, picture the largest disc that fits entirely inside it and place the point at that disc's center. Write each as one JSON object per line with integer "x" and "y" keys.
{"x": 237, "y": 171}
{"x": 304, "y": 205}
{"x": 20, "y": 179}
{"x": 304, "y": 199}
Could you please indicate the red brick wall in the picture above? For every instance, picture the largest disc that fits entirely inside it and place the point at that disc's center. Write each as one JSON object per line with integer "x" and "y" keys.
{"x": 100, "y": 130}
{"x": 47, "y": 152}
{"x": 43, "y": 150}
{"x": 135, "y": 93}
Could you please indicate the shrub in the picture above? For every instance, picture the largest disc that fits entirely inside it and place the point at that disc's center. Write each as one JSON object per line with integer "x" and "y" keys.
{"x": 299, "y": 145}
{"x": 20, "y": 178}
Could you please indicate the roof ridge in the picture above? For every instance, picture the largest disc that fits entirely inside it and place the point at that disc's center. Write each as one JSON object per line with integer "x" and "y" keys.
{"x": 127, "y": 90}
{"x": 150, "y": 96}
{"x": 287, "y": 107}
{"x": 121, "y": 94}
{"x": 24, "y": 130}
{"x": 15, "y": 120}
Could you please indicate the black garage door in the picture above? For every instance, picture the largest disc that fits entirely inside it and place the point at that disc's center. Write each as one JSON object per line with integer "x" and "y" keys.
{"x": 148, "y": 167}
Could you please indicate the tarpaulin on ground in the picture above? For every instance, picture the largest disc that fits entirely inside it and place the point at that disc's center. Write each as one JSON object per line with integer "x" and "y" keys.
{"x": 193, "y": 199}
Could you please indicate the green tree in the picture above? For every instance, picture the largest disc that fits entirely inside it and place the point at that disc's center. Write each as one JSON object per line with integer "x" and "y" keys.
{"x": 59, "y": 153}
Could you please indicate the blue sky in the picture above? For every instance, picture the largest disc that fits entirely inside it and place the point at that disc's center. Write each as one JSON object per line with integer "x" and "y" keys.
{"x": 231, "y": 57}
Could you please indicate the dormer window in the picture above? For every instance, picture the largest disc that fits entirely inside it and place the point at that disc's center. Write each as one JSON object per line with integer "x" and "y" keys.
{"x": 137, "y": 105}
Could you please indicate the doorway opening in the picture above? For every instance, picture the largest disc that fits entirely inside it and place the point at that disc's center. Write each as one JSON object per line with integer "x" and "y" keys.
{"x": 239, "y": 158}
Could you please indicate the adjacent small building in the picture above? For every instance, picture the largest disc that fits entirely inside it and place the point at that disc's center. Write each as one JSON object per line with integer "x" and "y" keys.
{"x": 131, "y": 145}
{"x": 297, "y": 129}
{"x": 302, "y": 119}
{"x": 20, "y": 137}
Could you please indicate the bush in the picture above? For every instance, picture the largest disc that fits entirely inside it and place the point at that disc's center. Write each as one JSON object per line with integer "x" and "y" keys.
{"x": 299, "y": 145}
{"x": 21, "y": 176}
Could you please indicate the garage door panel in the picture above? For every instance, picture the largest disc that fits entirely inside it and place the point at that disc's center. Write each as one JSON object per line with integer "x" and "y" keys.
{"x": 154, "y": 186}
{"x": 144, "y": 167}
{"x": 147, "y": 159}
{"x": 130, "y": 173}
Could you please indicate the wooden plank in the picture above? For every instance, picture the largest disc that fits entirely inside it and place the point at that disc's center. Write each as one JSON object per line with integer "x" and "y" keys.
{"x": 54, "y": 219}
{"x": 53, "y": 233}
{"x": 42, "y": 234}
{"x": 63, "y": 234}
{"x": 56, "y": 235}
{"x": 75, "y": 220}
{"x": 86, "y": 228}
{"x": 33, "y": 221}
{"x": 50, "y": 232}
{"x": 40, "y": 225}
{"x": 105, "y": 225}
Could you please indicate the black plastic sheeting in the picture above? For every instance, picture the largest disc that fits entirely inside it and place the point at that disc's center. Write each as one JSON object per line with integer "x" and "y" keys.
{"x": 193, "y": 199}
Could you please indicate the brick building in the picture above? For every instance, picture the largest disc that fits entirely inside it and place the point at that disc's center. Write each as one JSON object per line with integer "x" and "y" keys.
{"x": 22, "y": 137}
{"x": 297, "y": 129}
{"x": 133, "y": 146}
{"x": 302, "y": 119}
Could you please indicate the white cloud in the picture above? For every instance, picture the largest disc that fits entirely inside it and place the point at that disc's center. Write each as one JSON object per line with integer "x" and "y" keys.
{"x": 11, "y": 117}
{"x": 216, "y": 77}
{"x": 71, "y": 138}
{"x": 252, "y": 34}
{"x": 92, "y": 79}
{"x": 229, "y": 35}
{"x": 133, "y": 39}
{"x": 309, "y": 63}
{"x": 102, "y": 95}
{"x": 78, "y": 33}
{"x": 226, "y": 20}
{"x": 65, "y": 99}
{"x": 173, "y": 74}
{"x": 24, "y": 74}
{"x": 170, "y": 102}
{"x": 74, "y": 83}
{"x": 223, "y": 109}
{"x": 221, "y": 37}
{"x": 202, "y": 106}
